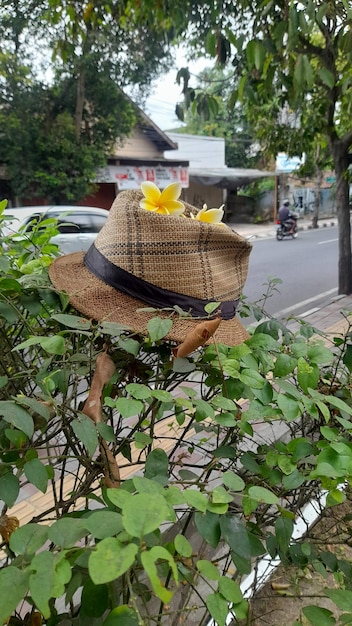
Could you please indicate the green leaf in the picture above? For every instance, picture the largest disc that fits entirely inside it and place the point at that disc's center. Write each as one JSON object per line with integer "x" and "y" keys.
{"x": 224, "y": 403}
{"x": 110, "y": 559}
{"x": 106, "y": 431}
{"x": 290, "y": 408}
{"x": 307, "y": 374}
{"x": 252, "y": 378}
{"x": 262, "y": 495}
{"x": 196, "y": 499}
{"x": 157, "y": 465}
{"x": 339, "y": 404}
{"x": 347, "y": 357}
{"x": 122, "y": 616}
{"x": 183, "y": 546}
{"x": 209, "y": 527}
{"x": 158, "y": 328}
{"x": 72, "y": 321}
{"x": 303, "y": 73}
{"x": 102, "y": 524}
{"x": 41, "y": 581}
{"x": 283, "y": 532}
{"x": 284, "y": 365}
{"x": 161, "y": 395}
{"x": 129, "y": 407}
{"x": 138, "y": 391}
{"x": 36, "y": 474}
{"x": 146, "y": 485}
{"x": 235, "y": 534}
{"x": 9, "y": 488}
{"x": 13, "y": 588}
{"x": 233, "y": 481}
{"x": 259, "y": 55}
{"x": 28, "y": 539}
{"x": 203, "y": 410}
{"x": 217, "y": 607}
{"x": 211, "y": 307}
{"x": 293, "y": 480}
{"x": 17, "y": 416}
{"x": 85, "y": 431}
{"x": 113, "y": 328}
{"x": 250, "y": 53}
{"x": 37, "y": 407}
{"x": 143, "y": 513}
{"x": 341, "y": 597}
{"x": 95, "y": 599}
{"x": 53, "y": 345}
{"x": 10, "y": 284}
{"x": 8, "y": 312}
{"x": 318, "y": 616}
{"x": 220, "y": 495}
{"x": 285, "y": 464}
{"x": 208, "y": 569}
{"x": 129, "y": 345}
{"x": 230, "y": 590}
{"x": 67, "y": 531}
{"x": 326, "y": 77}
{"x": 319, "y": 354}
{"x": 149, "y": 559}
{"x": 142, "y": 440}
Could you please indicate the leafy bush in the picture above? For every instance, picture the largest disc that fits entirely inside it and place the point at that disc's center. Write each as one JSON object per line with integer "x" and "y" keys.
{"x": 153, "y": 506}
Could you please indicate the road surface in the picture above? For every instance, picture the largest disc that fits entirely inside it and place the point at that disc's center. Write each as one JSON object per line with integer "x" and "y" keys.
{"x": 306, "y": 265}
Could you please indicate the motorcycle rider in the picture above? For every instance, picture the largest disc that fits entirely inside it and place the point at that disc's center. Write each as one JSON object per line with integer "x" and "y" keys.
{"x": 286, "y": 217}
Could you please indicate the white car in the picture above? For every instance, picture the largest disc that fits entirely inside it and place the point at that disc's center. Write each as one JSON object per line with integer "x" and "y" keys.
{"x": 78, "y": 225}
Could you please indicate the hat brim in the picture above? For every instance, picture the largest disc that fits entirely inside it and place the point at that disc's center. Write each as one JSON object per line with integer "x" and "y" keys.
{"x": 97, "y": 300}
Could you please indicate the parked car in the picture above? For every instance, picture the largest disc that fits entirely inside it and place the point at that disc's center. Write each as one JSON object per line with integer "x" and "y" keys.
{"x": 77, "y": 225}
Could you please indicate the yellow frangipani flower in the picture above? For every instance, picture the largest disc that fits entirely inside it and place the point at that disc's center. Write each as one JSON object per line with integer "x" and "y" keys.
{"x": 212, "y": 216}
{"x": 164, "y": 202}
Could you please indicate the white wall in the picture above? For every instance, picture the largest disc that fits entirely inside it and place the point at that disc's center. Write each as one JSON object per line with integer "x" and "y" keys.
{"x": 199, "y": 151}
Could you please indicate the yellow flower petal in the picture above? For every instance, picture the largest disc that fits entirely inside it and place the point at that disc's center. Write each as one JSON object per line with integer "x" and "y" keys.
{"x": 151, "y": 192}
{"x": 211, "y": 216}
{"x": 164, "y": 203}
{"x": 171, "y": 192}
{"x": 176, "y": 211}
{"x": 173, "y": 205}
{"x": 147, "y": 205}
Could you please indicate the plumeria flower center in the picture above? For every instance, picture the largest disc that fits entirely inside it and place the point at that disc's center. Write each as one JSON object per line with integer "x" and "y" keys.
{"x": 163, "y": 202}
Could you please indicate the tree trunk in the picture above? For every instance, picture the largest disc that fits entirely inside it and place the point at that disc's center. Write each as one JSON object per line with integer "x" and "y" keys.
{"x": 340, "y": 154}
{"x": 317, "y": 196}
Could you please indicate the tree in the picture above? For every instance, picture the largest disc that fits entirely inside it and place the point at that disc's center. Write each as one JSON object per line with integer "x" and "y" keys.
{"x": 57, "y": 131}
{"x": 207, "y": 112}
{"x": 293, "y": 57}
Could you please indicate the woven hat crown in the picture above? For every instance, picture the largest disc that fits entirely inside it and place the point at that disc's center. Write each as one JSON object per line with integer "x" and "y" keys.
{"x": 177, "y": 254}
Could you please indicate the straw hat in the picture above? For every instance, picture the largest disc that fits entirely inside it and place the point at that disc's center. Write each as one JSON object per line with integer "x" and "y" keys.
{"x": 142, "y": 259}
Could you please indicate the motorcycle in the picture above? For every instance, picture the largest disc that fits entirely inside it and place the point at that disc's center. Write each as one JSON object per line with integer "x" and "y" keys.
{"x": 285, "y": 229}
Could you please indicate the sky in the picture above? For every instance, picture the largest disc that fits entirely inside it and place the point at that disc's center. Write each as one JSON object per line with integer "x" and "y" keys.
{"x": 160, "y": 106}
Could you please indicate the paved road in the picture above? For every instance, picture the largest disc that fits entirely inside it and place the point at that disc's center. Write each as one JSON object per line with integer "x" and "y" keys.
{"x": 307, "y": 267}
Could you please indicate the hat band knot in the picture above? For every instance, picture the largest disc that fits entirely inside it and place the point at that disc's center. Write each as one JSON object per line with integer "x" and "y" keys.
{"x": 155, "y": 296}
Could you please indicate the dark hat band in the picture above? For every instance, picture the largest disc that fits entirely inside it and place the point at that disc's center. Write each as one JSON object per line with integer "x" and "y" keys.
{"x": 157, "y": 297}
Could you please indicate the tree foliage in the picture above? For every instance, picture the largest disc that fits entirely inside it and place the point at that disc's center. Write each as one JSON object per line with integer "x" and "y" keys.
{"x": 206, "y": 111}
{"x": 62, "y": 106}
{"x": 293, "y": 66}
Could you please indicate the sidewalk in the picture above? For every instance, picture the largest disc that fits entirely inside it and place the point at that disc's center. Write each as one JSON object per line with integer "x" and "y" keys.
{"x": 267, "y": 230}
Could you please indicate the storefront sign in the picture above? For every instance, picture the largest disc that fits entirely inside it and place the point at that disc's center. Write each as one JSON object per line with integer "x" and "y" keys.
{"x": 131, "y": 176}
